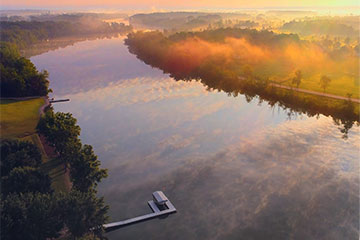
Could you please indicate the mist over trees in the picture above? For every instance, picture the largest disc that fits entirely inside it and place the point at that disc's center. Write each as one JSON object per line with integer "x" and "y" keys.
{"x": 337, "y": 26}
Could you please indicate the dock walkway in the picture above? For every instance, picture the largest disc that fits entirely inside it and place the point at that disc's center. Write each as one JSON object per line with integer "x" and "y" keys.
{"x": 168, "y": 209}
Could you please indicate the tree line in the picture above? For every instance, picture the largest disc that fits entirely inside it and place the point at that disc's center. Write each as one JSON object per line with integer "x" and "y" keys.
{"x": 335, "y": 27}
{"x": 27, "y": 33}
{"x": 19, "y": 76}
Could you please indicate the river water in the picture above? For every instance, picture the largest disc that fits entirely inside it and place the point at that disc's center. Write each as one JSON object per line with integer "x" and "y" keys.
{"x": 233, "y": 169}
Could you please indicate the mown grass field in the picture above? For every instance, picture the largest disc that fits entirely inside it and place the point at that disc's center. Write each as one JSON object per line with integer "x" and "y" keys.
{"x": 18, "y": 120}
{"x": 340, "y": 86}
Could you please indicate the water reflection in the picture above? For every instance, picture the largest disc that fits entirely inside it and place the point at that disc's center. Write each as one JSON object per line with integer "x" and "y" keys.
{"x": 234, "y": 170}
{"x": 58, "y": 43}
{"x": 281, "y": 183}
{"x": 218, "y": 72}
{"x": 91, "y": 64}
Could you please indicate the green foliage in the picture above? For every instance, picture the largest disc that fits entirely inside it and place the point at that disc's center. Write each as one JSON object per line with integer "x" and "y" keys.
{"x": 30, "y": 216}
{"x": 41, "y": 216}
{"x": 20, "y": 172}
{"x": 19, "y": 76}
{"x": 83, "y": 211}
{"x": 26, "y": 179}
{"x": 85, "y": 170}
{"x": 61, "y": 132}
{"x": 15, "y": 154}
{"x": 30, "y": 208}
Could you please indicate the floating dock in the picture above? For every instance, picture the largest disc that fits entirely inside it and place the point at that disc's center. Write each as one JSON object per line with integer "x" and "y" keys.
{"x": 161, "y": 206}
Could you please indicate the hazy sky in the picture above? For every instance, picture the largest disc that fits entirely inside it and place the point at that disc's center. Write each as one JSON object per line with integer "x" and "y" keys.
{"x": 159, "y": 4}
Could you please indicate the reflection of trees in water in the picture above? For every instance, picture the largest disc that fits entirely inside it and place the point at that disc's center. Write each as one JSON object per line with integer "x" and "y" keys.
{"x": 54, "y": 44}
{"x": 343, "y": 112}
{"x": 253, "y": 87}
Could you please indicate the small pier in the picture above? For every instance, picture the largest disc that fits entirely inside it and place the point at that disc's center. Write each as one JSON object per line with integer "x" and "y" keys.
{"x": 60, "y": 100}
{"x": 160, "y": 205}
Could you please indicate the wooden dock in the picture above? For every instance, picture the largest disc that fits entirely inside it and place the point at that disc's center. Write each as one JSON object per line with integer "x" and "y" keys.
{"x": 167, "y": 208}
{"x": 60, "y": 100}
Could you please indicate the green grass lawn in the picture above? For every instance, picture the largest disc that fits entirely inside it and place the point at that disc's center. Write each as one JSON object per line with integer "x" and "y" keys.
{"x": 19, "y": 118}
{"x": 339, "y": 86}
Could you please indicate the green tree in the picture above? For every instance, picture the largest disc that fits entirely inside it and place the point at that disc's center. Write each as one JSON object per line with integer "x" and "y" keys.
{"x": 16, "y": 153}
{"x": 31, "y": 216}
{"x": 85, "y": 170}
{"x": 25, "y": 179}
{"x": 19, "y": 76}
{"x": 84, "y": 211}
{"x": 61, "y": 132}
{"x": 324, "y": 82}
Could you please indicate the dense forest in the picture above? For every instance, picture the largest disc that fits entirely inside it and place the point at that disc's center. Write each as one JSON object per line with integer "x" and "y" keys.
{"x": 26, "y": 33}
{"x": 19, "y": 76}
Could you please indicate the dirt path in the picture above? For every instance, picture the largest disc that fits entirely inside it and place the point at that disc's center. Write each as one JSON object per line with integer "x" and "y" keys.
{"x": 315, "y": 93}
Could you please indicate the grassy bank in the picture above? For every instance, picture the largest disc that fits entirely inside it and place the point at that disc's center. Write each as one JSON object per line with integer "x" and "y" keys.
{"x": 18, "y": 120}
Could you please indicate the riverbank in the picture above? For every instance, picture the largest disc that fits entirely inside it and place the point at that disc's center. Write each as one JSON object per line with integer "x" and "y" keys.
{"x": 19, "y": 118}
{"x": 328, "y": 95}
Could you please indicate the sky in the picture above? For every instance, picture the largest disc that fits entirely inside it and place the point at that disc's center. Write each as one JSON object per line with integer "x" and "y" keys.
{"x": 166, "y": 4}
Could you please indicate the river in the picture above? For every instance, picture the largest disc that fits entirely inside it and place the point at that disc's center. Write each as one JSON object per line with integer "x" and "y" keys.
{"x": 233, "y": 169}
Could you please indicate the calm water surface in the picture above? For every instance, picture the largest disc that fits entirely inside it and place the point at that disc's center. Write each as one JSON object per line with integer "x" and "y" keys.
{"x": 234, "y": 170}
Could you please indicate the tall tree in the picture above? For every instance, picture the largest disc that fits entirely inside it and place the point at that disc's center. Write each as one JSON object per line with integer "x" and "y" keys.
{"x": 85, "y": 170}
{"x": 16, "y": 153}
{"x": 297, "y": 79}
{"x": 61, "y": 132}
{"x": 83, "y": 212}
{"x": 19, "y": 76}
{"x": 324, "y": 82}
